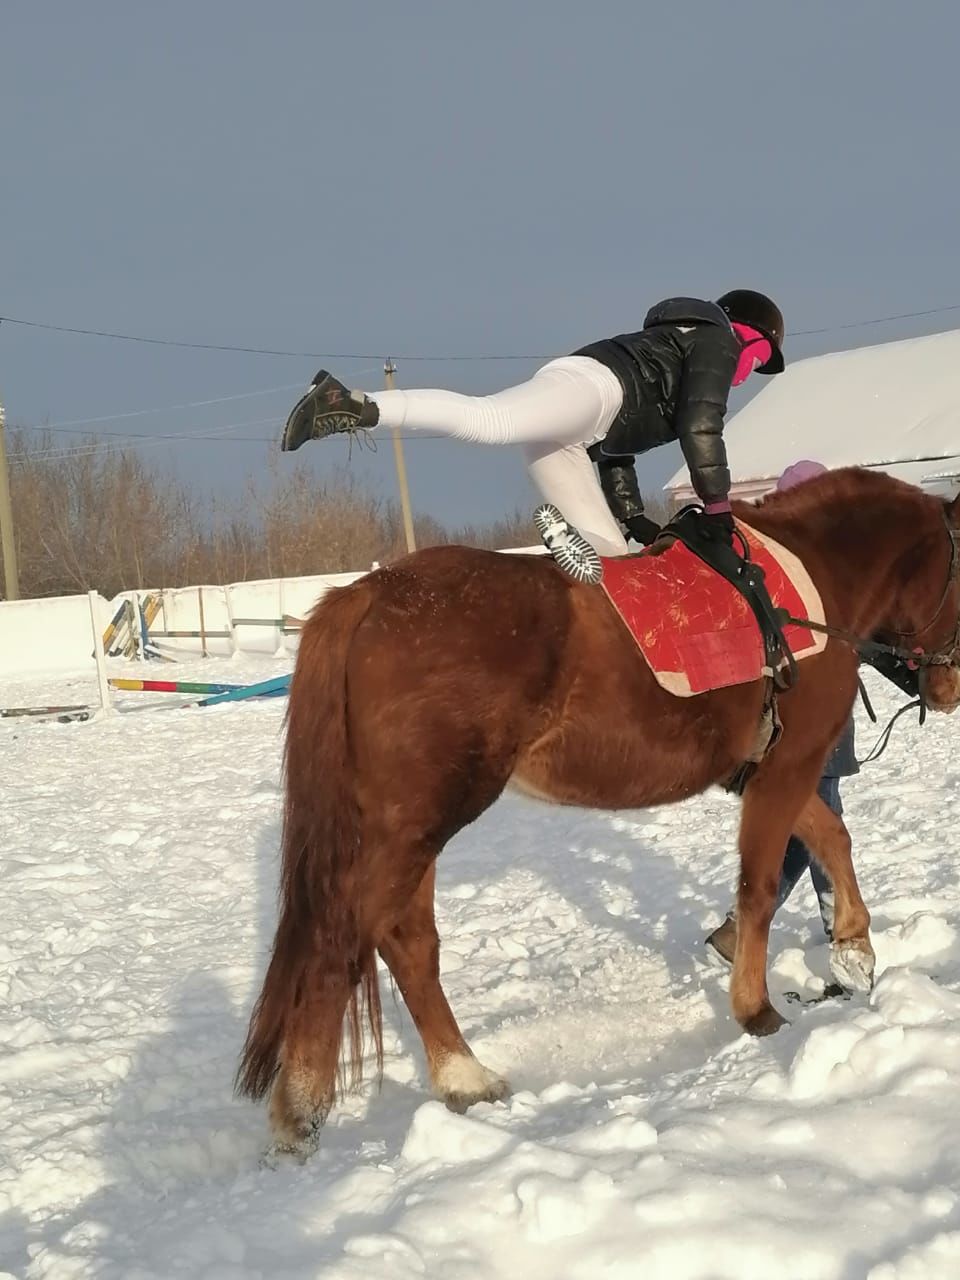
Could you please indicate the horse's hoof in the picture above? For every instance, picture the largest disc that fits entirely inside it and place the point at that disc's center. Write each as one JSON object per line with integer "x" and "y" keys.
{"x": 765, "y": 1023}
{"x": 461, "y": 1102}
{"x": 852, "y": 965}
{"x": 279, "y": 1153}
{"x": 462, "y": 1082}
{"x": 293, "y": 1144}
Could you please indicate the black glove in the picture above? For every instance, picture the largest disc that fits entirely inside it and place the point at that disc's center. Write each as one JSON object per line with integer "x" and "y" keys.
{"x": 643, "y": 530}
{"x": 718, "y": 525}
{"x": 896, "y": 671}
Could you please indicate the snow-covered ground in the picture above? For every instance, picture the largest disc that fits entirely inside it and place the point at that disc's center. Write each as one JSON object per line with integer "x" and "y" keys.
{"x": 646, "y": 1137}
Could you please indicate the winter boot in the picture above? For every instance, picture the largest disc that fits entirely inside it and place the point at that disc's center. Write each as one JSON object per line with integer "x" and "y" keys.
{"x": 724, "y": 939}
{"x": 572, "y": 552}
{"x": 328, "y": 408}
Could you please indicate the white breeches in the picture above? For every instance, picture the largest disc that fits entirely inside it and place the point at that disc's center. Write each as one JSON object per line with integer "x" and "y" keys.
{"x": 567, "y": 405}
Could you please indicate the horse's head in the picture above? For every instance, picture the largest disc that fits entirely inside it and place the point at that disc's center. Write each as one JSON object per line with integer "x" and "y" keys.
{"x": 938, "y": 638}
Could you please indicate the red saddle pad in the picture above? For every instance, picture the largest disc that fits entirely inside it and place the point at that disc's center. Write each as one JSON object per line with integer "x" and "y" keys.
{"x": 695, "y": 630}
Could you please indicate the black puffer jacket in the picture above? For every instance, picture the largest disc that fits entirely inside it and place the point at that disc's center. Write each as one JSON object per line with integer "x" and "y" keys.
{"x": 676, "y": 375}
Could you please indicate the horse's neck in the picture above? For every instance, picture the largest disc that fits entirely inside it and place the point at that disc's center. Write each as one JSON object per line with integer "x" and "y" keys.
{"x": 867, "y": 550}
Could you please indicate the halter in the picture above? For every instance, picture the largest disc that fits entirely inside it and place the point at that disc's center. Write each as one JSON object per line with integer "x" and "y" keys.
{"x": 945, "y": 656}
{"x": 917, "y": 659}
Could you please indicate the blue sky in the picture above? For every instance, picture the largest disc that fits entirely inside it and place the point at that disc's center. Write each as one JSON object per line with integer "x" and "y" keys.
{"x": 446, "y": 179}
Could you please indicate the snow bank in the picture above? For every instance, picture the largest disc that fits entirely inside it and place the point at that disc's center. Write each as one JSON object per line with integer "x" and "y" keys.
{"x": 48, "y": 635}
{"x": 646, "y": 1136}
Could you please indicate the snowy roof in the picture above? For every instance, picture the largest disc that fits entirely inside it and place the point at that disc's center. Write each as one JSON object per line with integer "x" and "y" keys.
{"x": 897, "y": 402}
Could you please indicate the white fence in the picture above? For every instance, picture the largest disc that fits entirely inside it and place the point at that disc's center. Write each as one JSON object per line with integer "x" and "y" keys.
{"x": 246, "y": 617}
{"x": 54, "y": 634}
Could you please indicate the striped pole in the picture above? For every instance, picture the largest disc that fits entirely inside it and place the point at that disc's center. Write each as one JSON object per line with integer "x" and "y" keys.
{"x": 114, "y": 626}
{"x": 263, "y": 689}
{"x": 171, "y": 686}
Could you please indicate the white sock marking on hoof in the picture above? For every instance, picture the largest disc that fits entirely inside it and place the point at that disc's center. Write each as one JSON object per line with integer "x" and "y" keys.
{"x": 462, "y": 1078}
{"x": 852, "y": 966}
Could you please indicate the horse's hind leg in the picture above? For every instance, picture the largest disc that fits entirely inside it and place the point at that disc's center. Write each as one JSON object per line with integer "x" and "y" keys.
{"x": 305, "y": 1087}
{"x": 411, "y": 950}
{"x": 852, "y": 958}
{"x": 330, "y": 991}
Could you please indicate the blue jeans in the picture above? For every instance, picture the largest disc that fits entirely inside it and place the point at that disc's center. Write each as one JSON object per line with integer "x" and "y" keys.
{"x": 798, "y": 858}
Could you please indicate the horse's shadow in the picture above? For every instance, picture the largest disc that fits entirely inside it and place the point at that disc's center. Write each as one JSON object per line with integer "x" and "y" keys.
{"x": 172, "y": 1141}
{"x": 16, "y": 1236}
{"x": 630, "y": 893}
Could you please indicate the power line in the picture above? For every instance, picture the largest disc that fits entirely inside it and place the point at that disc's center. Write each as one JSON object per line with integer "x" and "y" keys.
{"x": 253, "y": 351}
{"x": 70, "y": 426}
{"x": 69, "y": 423}
{"x": 368, "y": 355}
{"x": 862, "y": 324}
{"x": 92, "y": 446}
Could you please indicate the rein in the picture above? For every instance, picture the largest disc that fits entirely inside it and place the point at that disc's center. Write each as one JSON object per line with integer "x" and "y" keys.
{"x": 946, "y": 656}
{"x": 916, "y": 659}
{"x": 913, "y": 657}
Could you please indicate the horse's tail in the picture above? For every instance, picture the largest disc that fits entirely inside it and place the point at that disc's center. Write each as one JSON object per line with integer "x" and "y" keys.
{"x": 318, "y": 943}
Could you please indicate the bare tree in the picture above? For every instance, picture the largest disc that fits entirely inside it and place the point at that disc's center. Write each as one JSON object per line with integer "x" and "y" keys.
{"x": 92, "y": 514}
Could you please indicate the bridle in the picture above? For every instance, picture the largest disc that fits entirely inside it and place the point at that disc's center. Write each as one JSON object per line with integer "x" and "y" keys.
{"x": 917, "y": 659}
{"x": 947, "y": 655}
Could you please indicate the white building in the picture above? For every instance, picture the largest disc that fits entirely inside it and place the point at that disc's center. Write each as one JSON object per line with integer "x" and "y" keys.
{"x": 894, "y": 407}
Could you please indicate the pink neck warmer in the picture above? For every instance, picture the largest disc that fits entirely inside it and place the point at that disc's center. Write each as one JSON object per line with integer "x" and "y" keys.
{"x": 755, "y": 350}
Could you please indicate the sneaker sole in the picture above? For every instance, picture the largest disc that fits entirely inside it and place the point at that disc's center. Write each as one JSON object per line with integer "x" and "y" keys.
{"x": 569, "y": 548}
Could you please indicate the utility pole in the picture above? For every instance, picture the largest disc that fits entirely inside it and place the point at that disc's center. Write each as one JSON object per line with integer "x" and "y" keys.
{"x": 10, "y": 578}
{"x": 389, "y": 369}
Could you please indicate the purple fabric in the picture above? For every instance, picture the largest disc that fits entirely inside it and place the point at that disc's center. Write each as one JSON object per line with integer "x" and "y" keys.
{"x": 797, "y": 472}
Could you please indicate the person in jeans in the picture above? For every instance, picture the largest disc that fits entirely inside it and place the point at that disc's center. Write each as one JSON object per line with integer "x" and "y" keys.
{"x": 842, "y": 764}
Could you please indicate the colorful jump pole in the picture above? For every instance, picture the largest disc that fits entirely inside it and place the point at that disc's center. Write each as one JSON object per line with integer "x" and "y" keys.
{"x": 75, "y": 711}
{"x": 171, "y": 686}
{"x": 263, "y": 689}
{"x": 114, "y": 626}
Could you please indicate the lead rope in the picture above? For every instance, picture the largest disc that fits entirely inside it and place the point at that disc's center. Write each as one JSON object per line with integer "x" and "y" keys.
{"x": 921, "y": 660}
{"x": 878, "y": 748}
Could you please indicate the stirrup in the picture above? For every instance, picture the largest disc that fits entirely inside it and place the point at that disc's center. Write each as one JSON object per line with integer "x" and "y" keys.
{"x": 569, "y": 548}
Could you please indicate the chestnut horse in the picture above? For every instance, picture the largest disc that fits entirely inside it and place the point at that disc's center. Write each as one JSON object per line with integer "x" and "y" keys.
{"x": 425, "y": 688}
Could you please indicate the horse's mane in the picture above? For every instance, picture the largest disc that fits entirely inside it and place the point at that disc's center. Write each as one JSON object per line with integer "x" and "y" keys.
{"x": 846, "y": 491}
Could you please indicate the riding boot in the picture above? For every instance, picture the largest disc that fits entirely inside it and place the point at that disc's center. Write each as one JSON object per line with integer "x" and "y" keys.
{"x": 327, "y": 409}
{"x": 571, "y": 550}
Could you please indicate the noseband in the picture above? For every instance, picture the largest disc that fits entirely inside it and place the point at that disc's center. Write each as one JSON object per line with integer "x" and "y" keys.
{"x": 946, "y": 656}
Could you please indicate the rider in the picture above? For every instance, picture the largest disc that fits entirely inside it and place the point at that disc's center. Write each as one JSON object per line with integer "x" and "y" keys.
{"x": 608, "y": 401}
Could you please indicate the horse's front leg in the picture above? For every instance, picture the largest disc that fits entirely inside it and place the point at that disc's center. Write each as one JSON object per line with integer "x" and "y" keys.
{"x": 852, "y": 959}
{"x": 765, "y": 823}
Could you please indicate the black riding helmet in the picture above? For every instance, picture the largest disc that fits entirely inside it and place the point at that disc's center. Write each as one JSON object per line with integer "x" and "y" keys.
{"x": 761, "y": 313}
